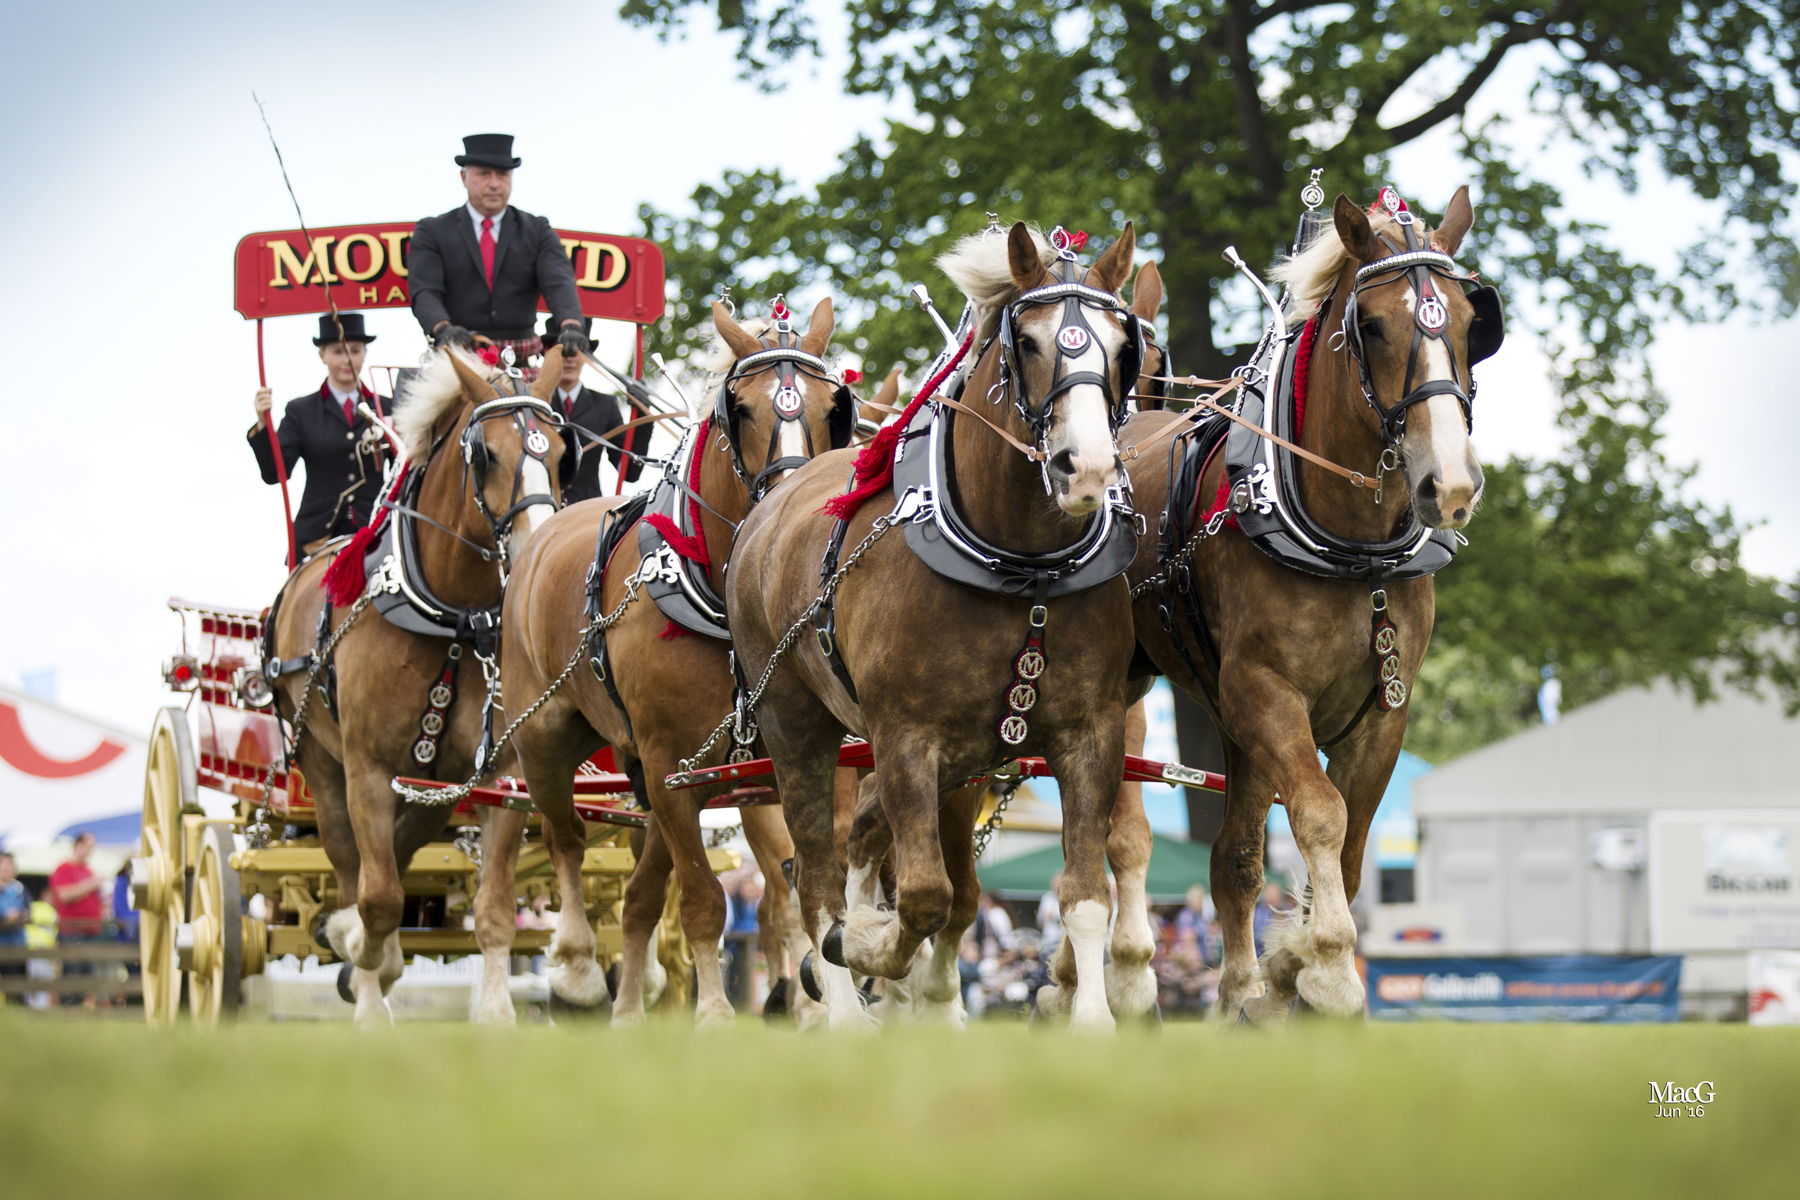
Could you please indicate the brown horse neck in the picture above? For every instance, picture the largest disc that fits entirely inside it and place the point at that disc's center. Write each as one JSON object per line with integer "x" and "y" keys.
{"x": 454, "y": 572}
{"x": 1339, "y": 426}
{"x": 999, "y": 492}
{"x": 721, "y": 488}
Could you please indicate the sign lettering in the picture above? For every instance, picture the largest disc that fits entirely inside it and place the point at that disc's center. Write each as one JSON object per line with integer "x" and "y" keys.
{"x": 282, "y": 273}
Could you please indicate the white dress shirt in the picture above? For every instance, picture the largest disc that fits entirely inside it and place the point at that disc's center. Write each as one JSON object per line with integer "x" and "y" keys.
{"x": 478, "y": 219}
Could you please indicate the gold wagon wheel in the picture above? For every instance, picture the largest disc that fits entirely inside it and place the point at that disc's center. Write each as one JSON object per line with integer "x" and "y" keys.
{"x": 156, "y": 876}
{"x": 215, "y": 984}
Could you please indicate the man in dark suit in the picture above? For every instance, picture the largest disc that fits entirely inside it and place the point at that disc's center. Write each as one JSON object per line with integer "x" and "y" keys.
{"x": 598, "y": 414}
{"x": 480, "y": 268}
{"x": 343, "y": 453}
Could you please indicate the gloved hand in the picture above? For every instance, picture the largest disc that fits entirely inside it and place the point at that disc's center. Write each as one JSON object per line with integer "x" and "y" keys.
{"x": 574, "y": 342}
{"x": 449, "y": 334}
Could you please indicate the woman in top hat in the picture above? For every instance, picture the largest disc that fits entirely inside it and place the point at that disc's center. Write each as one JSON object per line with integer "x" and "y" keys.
{"x": 480, "y": 268}
{"x": 324, "y": 430}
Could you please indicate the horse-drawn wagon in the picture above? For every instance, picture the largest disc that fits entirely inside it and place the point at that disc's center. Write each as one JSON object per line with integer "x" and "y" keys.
{"x": 216, "y": 906}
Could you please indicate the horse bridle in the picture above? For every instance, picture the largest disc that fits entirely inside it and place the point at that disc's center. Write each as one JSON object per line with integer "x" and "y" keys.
{"x": 1073, "y": 336}
{"x": 789, "y": 362}
{"x": 525, "y": 411}
{"x": 1431, "y": 319}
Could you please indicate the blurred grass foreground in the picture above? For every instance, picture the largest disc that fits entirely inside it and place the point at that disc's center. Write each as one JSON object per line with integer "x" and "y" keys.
{"x": 92, "y": 1109}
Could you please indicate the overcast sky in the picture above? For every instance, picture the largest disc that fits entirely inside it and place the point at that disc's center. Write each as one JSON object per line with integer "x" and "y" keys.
{"x": 138, "y": 161}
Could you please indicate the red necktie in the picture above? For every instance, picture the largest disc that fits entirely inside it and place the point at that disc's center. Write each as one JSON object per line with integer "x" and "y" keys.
{"x": 350, "y": 411}
{"x": 487, "y": 249}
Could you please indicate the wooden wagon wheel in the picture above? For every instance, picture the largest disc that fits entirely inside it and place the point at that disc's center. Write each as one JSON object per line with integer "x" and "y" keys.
{"x": 157, "y": 883}
{"x": 215, "y": 984}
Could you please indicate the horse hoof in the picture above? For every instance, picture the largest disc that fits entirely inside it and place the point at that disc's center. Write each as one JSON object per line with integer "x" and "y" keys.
{"x": 787, "y": 871}
{"x": 809, "y": 981}
{"x": 612, "y": 980}
{"x": 833, "y": 945}
{"x": 775, "y": 1008}
{"x": 343, "y": 984}
{"x": 561, "y": 1010}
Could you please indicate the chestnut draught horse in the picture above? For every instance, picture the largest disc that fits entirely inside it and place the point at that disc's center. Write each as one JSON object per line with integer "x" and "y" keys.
{"x": 395, "y": 701}
{"x": 948, "y": 679}
{"x": 653, "y": 688}
{"x": 1291, "y": 659}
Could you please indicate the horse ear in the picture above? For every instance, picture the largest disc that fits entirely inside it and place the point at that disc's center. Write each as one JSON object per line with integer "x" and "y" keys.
{"x": 549, "y": 375}
{"x": 889, "y": 391}
{"x": 474, "y": 386}
{"x": 1114, "y": 268}
{"x": 1457, "y": 220}
{"x": 1147, "y": 292}
{"x": 1023, "y": 257}
{"x": 734, "y": 335}
{"x": 1353, "y": 228}
{"x": 818, "y": 330}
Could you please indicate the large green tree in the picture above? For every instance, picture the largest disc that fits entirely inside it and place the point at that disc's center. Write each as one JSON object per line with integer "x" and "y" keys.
{"x": 1200, "y": 120}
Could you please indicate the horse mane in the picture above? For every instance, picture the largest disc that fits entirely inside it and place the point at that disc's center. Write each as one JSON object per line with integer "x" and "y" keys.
{"x": 1310, "y": 274}
{"x": 978, "y": 266}
{"x": 434, "y": 391}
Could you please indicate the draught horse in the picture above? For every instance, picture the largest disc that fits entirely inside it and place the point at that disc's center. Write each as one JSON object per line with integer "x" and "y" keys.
{"x": 925, "y": 668}
{"x": 381, "y": 707}
{"x": 664, "y": 689}
{"x": 1288, "y": 662}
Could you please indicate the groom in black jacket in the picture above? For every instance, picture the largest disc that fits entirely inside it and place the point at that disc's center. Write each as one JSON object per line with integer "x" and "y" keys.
{"x": 480, "y": 268}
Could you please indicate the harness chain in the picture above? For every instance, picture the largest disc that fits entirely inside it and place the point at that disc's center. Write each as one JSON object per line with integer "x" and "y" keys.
{"x": 257, "y": 832}
{"x": 687, "y": 766}
{"x": 437, "y": 797}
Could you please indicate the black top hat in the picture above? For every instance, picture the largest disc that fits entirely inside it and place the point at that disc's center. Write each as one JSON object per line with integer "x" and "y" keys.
{"x": 353, "y": 329}
{"x": 488, "y": 150}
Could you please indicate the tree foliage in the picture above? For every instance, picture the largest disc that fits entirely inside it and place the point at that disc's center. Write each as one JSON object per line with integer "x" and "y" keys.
{"x": 1199, "y": 119}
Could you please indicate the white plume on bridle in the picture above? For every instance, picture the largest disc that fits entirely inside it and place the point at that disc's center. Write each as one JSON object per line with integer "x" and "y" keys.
{"x": 978, "y": 265}
{"x": 434, "y": 391}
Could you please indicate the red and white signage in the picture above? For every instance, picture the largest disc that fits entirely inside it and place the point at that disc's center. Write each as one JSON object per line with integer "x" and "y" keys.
{"x": 59, "y": 768}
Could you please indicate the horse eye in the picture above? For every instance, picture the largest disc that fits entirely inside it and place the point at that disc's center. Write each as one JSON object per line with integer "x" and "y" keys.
{"x": 1369, "y": 327}
{"x": 1027, "y": 344}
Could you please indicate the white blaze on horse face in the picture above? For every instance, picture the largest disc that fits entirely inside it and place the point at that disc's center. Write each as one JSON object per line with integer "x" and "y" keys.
{"x": 1441, "y": 467}
{"x": 790, "y": 442}
{"x": 534, "y": 480}
{"x": 1084, "y": 461}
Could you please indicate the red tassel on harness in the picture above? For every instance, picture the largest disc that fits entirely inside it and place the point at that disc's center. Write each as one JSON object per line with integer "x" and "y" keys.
{"x": 689, "y": 546}
{"x": 345, "y": 578}
{"x": 671, "y": 631}
{"x": 875, "y": 465}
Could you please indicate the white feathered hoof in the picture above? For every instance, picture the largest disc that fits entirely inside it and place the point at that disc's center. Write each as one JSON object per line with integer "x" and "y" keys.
{"x": 832, "y": 947}
{"x": 581, "y": 988}
{"x": 775, "y": 1007}
{"x": 1050, "y": 1006}
{"x": 343, "y": 929}
{"x": 1333, "y": 991}
{"x": 715, "y": 1015}
{"x": 1267, "y": 1011}
{"x": 1130, "y": 991}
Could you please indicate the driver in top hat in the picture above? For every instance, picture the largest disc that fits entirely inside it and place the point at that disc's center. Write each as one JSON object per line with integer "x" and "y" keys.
{"x": 480, "y": 268}
{"x": 342, "y": 453}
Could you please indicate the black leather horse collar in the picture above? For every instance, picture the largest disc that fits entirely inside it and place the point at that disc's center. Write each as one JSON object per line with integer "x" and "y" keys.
{"x": 1264, "y": 493}
{"x": 681, "y": 587}
{"x": 404, "y": 599}
{"x": 943, "y": 541}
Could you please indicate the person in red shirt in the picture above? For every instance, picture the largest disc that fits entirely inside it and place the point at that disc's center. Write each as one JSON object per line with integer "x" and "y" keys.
{"x": 78, "y": 896}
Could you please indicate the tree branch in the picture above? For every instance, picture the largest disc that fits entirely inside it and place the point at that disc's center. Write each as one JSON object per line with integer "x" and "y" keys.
{"x": 1456, "y": 101}
{"x": 1281, "y": 8}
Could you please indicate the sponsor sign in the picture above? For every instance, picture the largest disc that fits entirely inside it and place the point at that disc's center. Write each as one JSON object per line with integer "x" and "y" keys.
{"x": 1561, "y": 988}
{"x": 1774, "y": 986}
{"x": 281, "y": 274}
{"x": 1723, "y": 880}
{"x": 60, "y": 769}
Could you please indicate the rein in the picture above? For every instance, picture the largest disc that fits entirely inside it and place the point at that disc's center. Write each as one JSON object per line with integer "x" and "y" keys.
{"x": 1355, "y": 477}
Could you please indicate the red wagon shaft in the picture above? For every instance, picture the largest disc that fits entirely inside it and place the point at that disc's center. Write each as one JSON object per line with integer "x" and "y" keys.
{"x": 600, "y": 797}
{"x": 858, "y": 755}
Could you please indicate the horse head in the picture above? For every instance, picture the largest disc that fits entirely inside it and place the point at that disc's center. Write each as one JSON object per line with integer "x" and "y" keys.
{"x": 1071, "y": 358}
{"x": 779, "y": 405}
{"x": 1415, "y": 340}
{"x": 511, "y": 454}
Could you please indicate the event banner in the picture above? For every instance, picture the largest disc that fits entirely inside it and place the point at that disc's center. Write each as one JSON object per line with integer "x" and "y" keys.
{"x": 1774, "y": 986}
{"x": 1723, "y": 880}
{"x": 282, "y": 274}
{"x": 1576, "y": 987}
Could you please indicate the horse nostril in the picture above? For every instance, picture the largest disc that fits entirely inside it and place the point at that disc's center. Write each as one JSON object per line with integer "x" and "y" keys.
{"x": 1461, "y": 514}
{"x": 1063, "y": 462}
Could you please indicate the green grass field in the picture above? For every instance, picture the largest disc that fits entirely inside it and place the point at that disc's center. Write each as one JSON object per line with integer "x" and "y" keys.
{"x": 110, "y": 1109}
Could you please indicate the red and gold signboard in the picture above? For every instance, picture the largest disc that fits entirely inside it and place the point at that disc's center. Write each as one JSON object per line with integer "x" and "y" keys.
{"x": 280, "y": 274}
